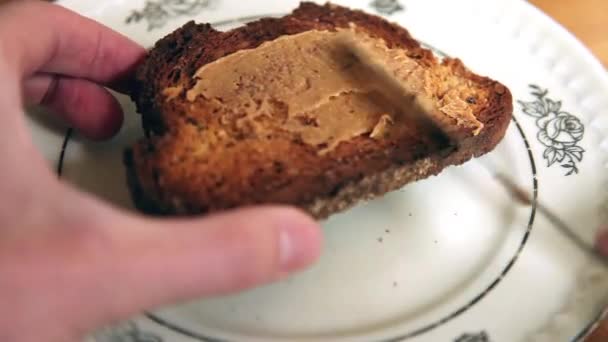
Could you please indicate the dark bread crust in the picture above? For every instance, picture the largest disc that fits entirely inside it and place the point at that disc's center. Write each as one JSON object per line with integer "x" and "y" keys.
{"x": 357, "y": 170}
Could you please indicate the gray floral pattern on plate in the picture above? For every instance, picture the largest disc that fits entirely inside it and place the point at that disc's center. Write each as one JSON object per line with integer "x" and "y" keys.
{"x": 127, "y": 332}
{"x": 481, "y": 336}
{"x": 158, "y": 12}
{"x": 387, "y": 7}
{"x": 560, "y": 132}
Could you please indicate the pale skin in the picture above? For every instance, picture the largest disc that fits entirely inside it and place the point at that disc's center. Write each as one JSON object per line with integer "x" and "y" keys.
{"x": 70, "y": 263}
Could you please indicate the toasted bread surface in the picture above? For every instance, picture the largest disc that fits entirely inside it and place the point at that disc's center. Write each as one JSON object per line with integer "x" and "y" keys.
{"x": 196, "y": 158}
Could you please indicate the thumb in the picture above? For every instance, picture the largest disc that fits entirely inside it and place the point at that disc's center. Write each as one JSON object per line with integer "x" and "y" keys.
{"x": 154, "y": 263}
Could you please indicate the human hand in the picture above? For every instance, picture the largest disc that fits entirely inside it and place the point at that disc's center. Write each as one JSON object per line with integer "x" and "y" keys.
{"x": 70, "y": 263}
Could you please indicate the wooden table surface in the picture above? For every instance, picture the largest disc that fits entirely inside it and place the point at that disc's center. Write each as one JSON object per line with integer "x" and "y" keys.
{"x": 588, "y": 21}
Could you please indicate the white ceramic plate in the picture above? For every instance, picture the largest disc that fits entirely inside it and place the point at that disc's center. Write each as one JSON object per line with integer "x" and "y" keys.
{"x": 452, "y": 258}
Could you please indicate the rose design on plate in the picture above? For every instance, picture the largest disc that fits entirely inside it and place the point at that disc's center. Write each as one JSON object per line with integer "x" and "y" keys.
{"x": 477, "y": 337}
{"x": 157, "y": 13}
{"x": 387, "y": 7}
{"x": 126, "y": 332}
{"x": 560, "y": 132}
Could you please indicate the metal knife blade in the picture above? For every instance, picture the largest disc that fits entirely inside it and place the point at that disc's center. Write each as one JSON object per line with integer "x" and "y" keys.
{"x": 392, "y": 89}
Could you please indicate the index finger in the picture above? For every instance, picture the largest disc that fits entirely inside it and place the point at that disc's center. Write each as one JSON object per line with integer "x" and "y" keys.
{"x": 62, "y": 42}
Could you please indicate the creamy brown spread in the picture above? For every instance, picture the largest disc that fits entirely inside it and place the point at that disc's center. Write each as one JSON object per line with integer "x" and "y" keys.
{"x": 327, "y": 95}
{"x": 172, "y": 92}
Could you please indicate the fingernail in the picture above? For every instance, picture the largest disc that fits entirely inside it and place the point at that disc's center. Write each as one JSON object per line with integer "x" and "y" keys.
{"x": 602, "y": 241}
{"x": 299, "y": 244}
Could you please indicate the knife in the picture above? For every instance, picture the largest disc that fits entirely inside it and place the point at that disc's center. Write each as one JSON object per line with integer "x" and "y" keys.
{"x": 398, "y": 95}
{"x": 416, "y": 108}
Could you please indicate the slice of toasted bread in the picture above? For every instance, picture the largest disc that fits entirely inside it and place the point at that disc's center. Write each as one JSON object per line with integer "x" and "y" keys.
{"x": 272, "y": 112}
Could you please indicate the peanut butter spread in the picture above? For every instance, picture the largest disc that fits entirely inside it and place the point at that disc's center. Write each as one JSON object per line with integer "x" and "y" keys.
{"x": 172, "y": 92}
{"x": 327, "y": 95}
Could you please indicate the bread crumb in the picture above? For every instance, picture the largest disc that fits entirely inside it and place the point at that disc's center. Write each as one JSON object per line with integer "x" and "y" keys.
{"x": 381, "y": 128}
{"x": 499, "y": 89}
